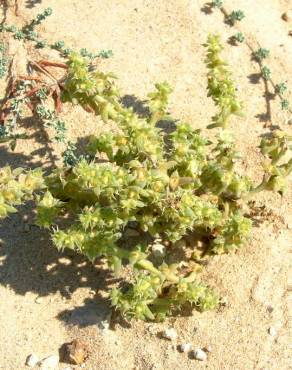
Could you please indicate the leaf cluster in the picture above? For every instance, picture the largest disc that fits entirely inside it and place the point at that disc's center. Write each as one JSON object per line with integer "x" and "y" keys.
{"x": 235, "y": 16}
{"x": 17, "y": 186}
{"x": 3, "y": 61}
{"x": 220, "y": 84}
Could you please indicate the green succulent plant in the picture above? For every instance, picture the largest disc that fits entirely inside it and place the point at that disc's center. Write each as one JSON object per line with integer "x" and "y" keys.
{"x": 217, "y": 3}
{"x": 221, "y": 87}
{"x": 3, "y": 61}
{"x": 167, "y": 185}
{"x": 235, "y": 16}
{"x": 261, "y": 54}
{"x": 239, "y": 37}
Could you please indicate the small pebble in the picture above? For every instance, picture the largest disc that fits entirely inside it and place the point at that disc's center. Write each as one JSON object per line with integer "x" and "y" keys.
{"x": 25, "y": 218}
{"x": 152, "y": 329}
{"x": 207, "y": 349}
{"x": 287, "y": 16}
{"x": 49, "y": 363}
{"x": 272, "y": 331}
{"x": 38, "y": 300}
{"x": 32, "y": 360}
{"x": 270, "y": 309}
{"x": 158, "y": 250}
{"x": 224, "y": 301}
{"x": 185, "y": 347}
{"x": 200, "y": 355}
{"x": 104, "y": 325}
{"x": 169, "y": 334}
{"x": 201, "y": 244}
{"x": 76, "y": 351}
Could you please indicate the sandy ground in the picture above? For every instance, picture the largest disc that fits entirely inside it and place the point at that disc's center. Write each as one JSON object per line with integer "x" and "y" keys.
{"x": 48, "y": 298}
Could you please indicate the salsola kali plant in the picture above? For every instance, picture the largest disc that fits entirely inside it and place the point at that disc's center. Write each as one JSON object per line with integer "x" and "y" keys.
{"x": 162, "y": 185}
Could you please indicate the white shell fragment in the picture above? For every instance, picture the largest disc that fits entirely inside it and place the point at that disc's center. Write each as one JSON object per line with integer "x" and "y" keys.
{"x": 158, "y": 250}
{"x": 272, "y": 331}
{"x": 32, "y": 360}
{"x": 49, "y": 363}
{"x": 169, "y": 334}
{"x": 185, "y": 347}
{"x": 287, "y": 16}
{"x": 200, "y": 355}
{"x": 207, "y": 348}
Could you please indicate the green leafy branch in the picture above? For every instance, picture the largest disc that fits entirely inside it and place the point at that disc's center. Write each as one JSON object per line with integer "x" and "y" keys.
{"x": 28, "y": 33}
{"x": 259, "y": 55}
{"x": 3, "y": 61}
{"x": 220, "y": 84}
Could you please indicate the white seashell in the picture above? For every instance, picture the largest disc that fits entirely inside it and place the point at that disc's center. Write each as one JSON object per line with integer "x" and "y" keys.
{"x": 185, "y": 347}
{"x": 200, "y": 355}
{"x": 50, "y": 363}
{"x": 32, "y": 360}
{"x": 170, "y": 334}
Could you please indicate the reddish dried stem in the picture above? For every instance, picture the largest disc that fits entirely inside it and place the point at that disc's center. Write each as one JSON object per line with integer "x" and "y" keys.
{"x": 30, "y": 78}
{"x": 47, "y": 63}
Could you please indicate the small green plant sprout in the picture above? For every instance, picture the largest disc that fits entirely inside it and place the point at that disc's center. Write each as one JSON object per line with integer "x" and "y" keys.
{"x": 275, "y": 148}
{"x": 105, "y": 54}
{"x": 261, "y": 54}
{"x": 235, "y": 16}
{"x": 285, "y": 104}
{"x": 266, "y": 73}
{"x": 239, "y": 37}
{"x": 11, "y": 113}
{"x": 24, "y": 93}
{"x": 217, "y": 3}
{"x": 281, "y": 88}
{"x": 27, "y": 32}
{"x": 3, "y": 61}
{"x": 38, "y": 20}
{"x": 221, "y": 87}
{"x": 17, "y": 186}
